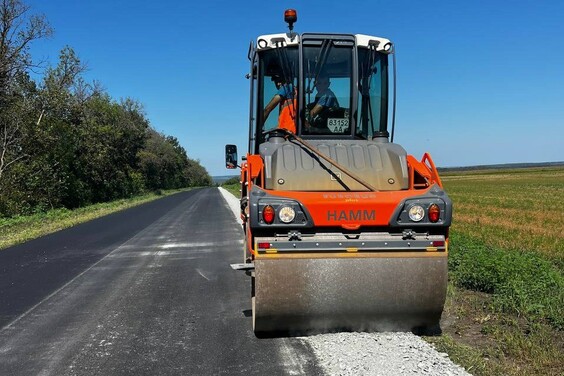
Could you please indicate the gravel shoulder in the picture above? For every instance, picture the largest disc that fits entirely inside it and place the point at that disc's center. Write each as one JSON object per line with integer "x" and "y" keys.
{"x": 349, "y": 354}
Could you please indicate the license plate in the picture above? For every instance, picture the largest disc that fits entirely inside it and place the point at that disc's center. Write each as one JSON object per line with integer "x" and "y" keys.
{"x": 337, "y": 125}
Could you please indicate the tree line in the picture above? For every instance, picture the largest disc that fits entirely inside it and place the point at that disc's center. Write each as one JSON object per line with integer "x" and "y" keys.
{"x": 65, "y": 142}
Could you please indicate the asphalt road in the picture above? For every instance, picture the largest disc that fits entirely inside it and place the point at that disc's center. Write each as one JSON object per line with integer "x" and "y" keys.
{"x": 147, "y": 291}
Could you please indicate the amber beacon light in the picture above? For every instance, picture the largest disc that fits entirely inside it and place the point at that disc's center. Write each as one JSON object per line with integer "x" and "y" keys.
{"x": 290, "y": 17}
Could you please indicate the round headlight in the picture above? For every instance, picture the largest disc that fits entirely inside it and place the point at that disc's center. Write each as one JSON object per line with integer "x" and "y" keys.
{"x": 416, "y": 213}
{"x": 286, "y": 214}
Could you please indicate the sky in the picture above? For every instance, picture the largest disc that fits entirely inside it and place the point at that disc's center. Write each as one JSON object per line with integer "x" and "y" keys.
{"x": 478, "y": 82}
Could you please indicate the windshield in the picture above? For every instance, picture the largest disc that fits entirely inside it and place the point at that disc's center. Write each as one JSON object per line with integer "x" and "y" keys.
{"x": 328, "y": 70}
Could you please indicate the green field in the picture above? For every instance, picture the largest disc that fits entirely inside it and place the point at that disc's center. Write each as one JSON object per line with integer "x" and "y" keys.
{"x": 504, "y": 312}
{"x": 513, "y": 209}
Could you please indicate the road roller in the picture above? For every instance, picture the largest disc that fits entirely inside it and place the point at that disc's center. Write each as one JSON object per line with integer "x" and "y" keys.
{"x": 344, "y": 230}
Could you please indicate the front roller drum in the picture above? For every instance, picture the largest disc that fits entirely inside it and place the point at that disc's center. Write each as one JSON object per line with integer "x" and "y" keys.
{"x": 309, "y": 295}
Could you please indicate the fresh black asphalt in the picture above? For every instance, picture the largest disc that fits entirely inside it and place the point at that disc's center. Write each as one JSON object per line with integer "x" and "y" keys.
{"x": 31, "y": 271}
{"x": 146, "y": 291}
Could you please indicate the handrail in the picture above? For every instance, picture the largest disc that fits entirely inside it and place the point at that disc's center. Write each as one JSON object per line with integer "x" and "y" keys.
{"x": 432, "y": 168}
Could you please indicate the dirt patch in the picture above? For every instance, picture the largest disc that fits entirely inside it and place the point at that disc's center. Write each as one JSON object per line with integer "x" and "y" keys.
{"x": 466, "y": 313}
{"x": 506, "y": 343}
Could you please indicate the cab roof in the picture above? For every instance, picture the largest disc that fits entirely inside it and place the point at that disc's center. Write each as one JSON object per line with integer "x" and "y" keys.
{"x": 269, "y": 41}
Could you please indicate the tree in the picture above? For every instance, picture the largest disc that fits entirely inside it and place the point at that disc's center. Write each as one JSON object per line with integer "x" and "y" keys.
{"x": 17, "y": 30}
{"x": 110, "y": 137}
{"x": 16, "y": 112}
{"x": 59, "y": 97}
{"x": 165, "y": 165}
{"x": 11, "y": 127}
{"x": 196, "y": 174}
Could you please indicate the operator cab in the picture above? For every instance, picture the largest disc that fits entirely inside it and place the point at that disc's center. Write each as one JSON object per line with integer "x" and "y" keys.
{"x": 335, "y": 89}
{"x": 348, "y": 74}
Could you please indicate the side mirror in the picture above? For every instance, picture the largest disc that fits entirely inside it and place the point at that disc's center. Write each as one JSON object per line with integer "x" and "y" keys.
{"x": 231, "y": 156}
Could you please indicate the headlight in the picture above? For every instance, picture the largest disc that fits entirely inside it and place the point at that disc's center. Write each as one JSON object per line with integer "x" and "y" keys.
{"x": 286, "y": 214}
{"x": 416, "y": 213}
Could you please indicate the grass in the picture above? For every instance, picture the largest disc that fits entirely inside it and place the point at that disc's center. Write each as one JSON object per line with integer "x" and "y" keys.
{"x": 20, "y": 229}
{"x": 503, "y": 314}
{"x": 489, "y": 342}
{"x": 522, "y": 283}
{"x": 511, "y": 209}
{"x": 234, "y": 188}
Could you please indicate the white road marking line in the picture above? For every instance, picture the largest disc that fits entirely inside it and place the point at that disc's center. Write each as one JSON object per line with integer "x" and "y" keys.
{"x": 202, "y": 274}
{"x": 233, "y": 203}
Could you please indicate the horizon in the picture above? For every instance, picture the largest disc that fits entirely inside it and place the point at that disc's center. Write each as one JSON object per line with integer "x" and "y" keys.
{"x": 495, "y": 165}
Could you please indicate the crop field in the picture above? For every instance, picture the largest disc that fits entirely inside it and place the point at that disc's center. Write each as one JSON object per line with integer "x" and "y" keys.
{"x": 513, "y": 209}
{"x": 504, "y": 311}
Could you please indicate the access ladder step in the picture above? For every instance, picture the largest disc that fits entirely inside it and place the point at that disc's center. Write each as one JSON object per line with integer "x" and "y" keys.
{"x": 244, "y": 266}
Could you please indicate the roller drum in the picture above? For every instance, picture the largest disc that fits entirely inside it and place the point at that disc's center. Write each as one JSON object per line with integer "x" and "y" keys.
{"x": 361, "y": 294}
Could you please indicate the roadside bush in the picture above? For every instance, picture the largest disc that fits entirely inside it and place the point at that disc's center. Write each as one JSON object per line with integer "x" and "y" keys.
{"x": 236, "y": 180}
{"x": 233, "y": 185}
{"x": 522, "y": 282}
